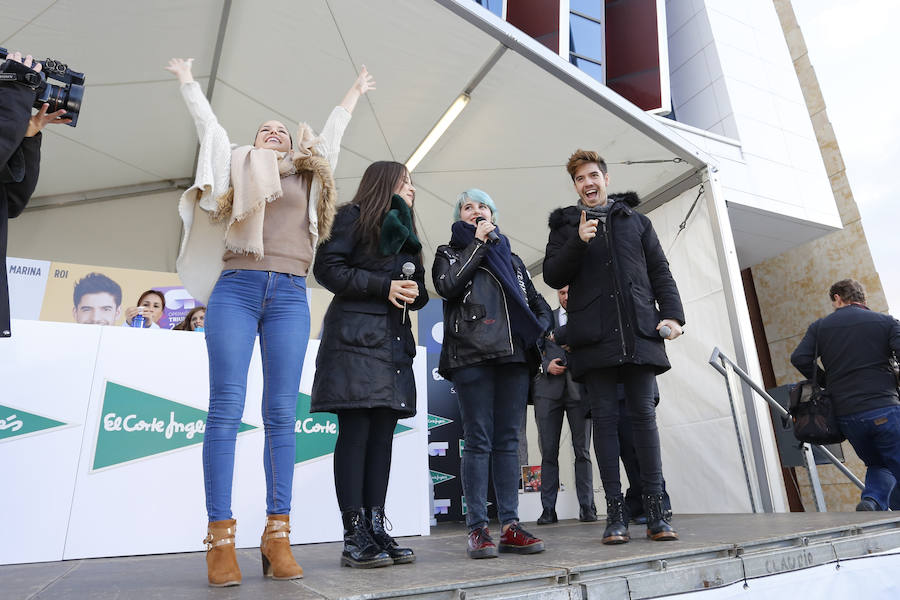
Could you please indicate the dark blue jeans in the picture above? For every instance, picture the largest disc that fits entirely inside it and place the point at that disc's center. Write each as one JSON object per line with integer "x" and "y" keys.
{"x": 242, "y": 305}
{"x": 492, "y": 400}
{"x": 875, "y": 436}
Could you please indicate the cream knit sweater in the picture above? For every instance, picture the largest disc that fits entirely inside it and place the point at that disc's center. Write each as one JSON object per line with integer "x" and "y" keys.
{"x": 203, "y": 245}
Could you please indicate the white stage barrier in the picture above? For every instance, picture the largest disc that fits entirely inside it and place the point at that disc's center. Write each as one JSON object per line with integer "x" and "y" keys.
{"x": 100, "y": 443}
{"x": 875, "y": 577}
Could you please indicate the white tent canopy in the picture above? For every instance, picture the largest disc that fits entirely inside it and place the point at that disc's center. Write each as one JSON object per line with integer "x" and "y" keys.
{"x": 108, "y": 188}
{"x": 293, "y": 61}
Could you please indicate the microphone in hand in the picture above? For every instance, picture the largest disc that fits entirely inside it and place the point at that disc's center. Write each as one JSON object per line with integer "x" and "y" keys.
{"x": 492, "y": 236}
{"x": 665, "y": 331}
{"x": 407, "y": 270}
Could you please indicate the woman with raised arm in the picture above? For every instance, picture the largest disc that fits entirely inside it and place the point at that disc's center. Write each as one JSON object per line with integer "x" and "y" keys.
{"x": 373, "y": 264}
{"x": 252, "y": 221}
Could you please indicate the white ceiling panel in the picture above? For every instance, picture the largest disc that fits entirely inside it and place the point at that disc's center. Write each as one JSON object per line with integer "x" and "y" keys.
{"x": 514, "y": 120}
{"x": 115, "y": 42}
{"x": 422, "y": 56}
{"x": 68, "y": 166}
{"x": 17, "y": 15}
{"x": 295, "y": 60}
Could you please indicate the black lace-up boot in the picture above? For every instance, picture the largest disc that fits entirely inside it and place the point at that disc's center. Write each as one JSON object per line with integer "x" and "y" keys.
{"x": 658, "y": 527}
{"x": 616, "y": 531}
{"x": 375, "y": 519}
{"x": 360, "y": 550}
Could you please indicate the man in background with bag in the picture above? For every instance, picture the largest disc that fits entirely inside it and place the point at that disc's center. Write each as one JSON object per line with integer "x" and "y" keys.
{"x": 856, "y": 345}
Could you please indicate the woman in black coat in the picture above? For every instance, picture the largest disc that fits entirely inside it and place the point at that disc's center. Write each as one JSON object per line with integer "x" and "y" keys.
{"x": 622, "y": 300}
{"x": 493, "y": 318}
{"x": 364, "y": 365}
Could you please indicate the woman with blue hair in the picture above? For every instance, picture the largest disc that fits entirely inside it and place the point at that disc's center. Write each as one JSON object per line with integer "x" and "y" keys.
{"x": 493, "y": 318}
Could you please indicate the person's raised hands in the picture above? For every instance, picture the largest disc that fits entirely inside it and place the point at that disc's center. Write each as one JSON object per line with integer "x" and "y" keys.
{"x": 181, "y": 68}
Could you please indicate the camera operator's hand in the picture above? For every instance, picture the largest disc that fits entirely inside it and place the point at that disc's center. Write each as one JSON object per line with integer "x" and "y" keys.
{"x": 181, "y": 67}
{"x": 42, "y": 119}
{"x": 28, "y": 61}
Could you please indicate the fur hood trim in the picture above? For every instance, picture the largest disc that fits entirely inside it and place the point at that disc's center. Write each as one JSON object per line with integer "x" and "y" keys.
{"x": 326, "y": 205}
{"x": 570, "y": 215}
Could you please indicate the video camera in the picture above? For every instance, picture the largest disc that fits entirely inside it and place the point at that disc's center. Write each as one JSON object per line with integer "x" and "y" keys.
{"x": 67, "y": 97}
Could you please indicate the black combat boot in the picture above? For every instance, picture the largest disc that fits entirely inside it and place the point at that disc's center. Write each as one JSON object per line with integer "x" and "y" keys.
{"x": 375, "y": 521}
{"x": 658, "y": 527}
{"x": 360, "y": 550}
{"x": 616, "y": 531}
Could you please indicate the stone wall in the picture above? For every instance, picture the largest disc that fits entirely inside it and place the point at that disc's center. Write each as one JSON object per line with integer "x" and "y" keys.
{"x": 793, "y": 287}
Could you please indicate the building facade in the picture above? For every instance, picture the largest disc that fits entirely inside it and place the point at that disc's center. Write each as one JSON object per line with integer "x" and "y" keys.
{"x": 739, "y": 70}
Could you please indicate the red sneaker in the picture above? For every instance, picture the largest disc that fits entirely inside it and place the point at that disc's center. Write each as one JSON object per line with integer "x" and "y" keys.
{"x": 480, "y": 544}
{"x": 517, "y": 540}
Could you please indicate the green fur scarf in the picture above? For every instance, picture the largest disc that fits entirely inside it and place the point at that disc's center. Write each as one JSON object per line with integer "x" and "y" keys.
{"x": 397, "y": 233}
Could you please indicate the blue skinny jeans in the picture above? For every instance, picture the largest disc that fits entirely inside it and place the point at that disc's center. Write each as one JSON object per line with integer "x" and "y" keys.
{"x": 243, "y": 304}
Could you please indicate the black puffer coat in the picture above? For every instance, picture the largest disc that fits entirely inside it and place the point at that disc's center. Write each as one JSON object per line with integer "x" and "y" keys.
{"x": 476, "y": 321}
{"x": 620, "y": 287}
{"x": 20, "y": 160}
{"x": 366, "y": 353}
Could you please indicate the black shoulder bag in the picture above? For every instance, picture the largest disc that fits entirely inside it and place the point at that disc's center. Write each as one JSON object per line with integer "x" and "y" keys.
{"x": 812, "y": 411}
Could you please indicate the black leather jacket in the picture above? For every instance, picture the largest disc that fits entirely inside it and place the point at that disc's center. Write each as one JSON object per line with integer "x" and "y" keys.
{"x": 476, "y": 319}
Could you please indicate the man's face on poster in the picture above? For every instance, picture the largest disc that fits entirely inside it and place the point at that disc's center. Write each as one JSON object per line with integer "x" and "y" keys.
{"x": 96, "y": 309}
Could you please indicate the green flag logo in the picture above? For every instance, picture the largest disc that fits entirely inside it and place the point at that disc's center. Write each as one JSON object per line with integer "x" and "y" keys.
{"x": 436, "y": 421}
{"x": 16, "y": 423}
{"x": 135, "y": 425}
{"x": 317, "y": 432}
{"x": 438, "y": 477}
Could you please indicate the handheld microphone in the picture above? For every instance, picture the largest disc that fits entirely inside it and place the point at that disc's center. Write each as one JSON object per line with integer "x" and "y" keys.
{"x": 407, "y": 272}
{"x": 665, "y": 331}
{"x": 493, "y": 238}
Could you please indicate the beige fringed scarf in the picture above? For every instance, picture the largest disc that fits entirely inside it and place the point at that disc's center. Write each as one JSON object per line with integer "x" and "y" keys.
{"x": 256, "y": 180}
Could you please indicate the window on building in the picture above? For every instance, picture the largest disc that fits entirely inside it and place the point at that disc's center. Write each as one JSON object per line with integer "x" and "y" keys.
{"x": 495, "y": 6}
{"x": 586, "y": 37}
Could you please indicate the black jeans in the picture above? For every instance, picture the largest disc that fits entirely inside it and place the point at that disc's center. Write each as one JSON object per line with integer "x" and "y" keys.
{"x": 633, "y": 500}
{"x": 601, "y": 389}
{"x": 362, "y": 456}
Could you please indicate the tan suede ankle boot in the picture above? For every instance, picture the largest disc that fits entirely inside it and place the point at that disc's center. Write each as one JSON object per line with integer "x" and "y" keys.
{"x": 277, "y": 559}
{"x": 221, "y": 561}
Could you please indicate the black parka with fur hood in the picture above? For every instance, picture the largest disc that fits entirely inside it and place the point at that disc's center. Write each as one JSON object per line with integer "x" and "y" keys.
{"x": 620, "y": 287}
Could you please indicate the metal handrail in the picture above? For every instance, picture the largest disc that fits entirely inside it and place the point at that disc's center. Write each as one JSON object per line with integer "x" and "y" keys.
{"x": 717, "y": 361}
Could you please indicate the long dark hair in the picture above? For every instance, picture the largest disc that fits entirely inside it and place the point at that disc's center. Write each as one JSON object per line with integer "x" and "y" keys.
{"x": 373, "y": 197}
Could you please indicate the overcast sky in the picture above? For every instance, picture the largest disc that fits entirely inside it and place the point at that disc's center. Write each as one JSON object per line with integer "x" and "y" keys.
{"x": 854, "y": 47}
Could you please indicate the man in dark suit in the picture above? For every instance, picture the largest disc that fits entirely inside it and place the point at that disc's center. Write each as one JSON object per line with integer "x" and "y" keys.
{"x": 20, "y": 151}
{"x": 856, "y": 345}
{"x": 556, "y": 393}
